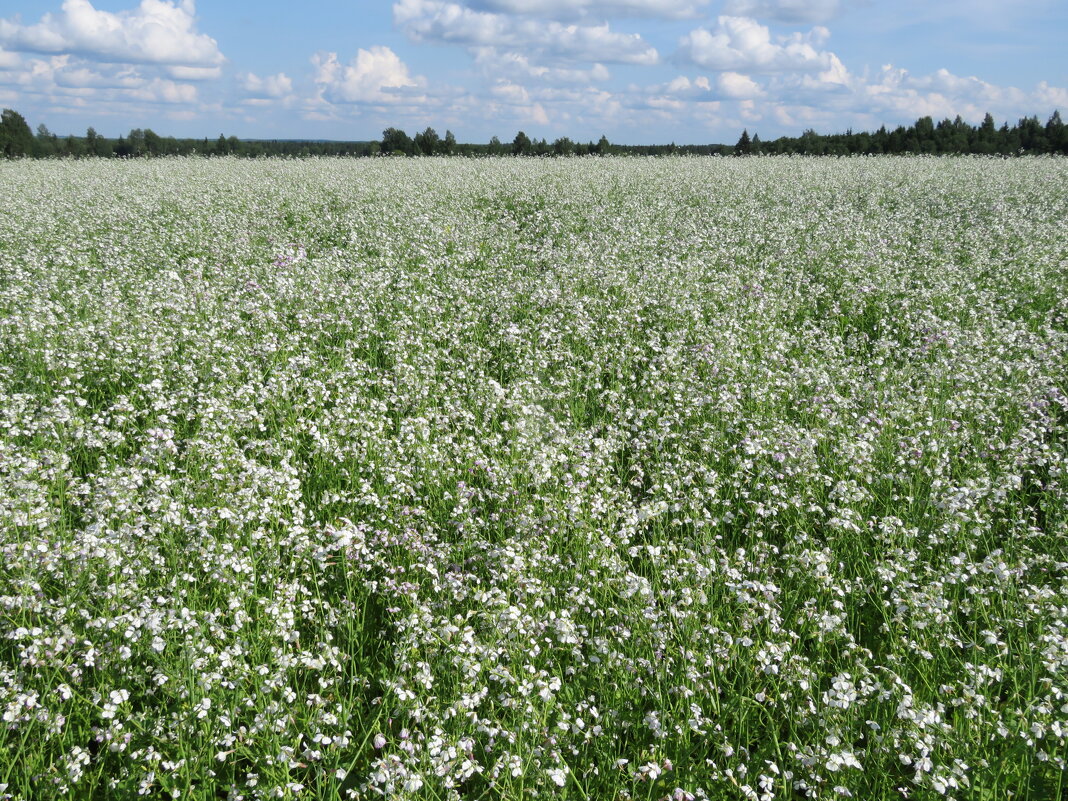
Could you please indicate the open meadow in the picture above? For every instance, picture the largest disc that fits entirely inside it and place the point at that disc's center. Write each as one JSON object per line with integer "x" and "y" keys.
{"x": 594, "y": 479}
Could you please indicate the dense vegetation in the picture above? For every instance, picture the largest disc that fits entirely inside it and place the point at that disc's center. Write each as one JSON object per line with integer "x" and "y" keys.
{"x": 518, "y": 478}
{"x": 1027, "y": 136}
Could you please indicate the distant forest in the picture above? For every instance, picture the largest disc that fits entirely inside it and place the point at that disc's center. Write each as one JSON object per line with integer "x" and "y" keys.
{"x": 1028, "y": 136}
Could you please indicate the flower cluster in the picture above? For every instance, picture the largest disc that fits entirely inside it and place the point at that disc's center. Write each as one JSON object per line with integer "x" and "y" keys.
{"x": 663, "y": 479}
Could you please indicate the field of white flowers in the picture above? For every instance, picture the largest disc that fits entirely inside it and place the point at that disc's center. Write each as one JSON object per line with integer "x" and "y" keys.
{"x": 517, "y": 479}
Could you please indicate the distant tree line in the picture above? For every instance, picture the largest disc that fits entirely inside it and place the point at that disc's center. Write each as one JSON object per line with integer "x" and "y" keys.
{"x": 924, "y": 136}
{"x": 1027, "y": 136}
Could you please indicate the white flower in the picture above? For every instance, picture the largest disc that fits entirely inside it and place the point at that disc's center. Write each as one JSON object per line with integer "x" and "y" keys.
{"x": 412, "y": 784}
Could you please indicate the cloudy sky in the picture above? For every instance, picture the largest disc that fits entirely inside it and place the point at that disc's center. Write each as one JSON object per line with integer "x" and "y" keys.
{"x": 639, "y": 71}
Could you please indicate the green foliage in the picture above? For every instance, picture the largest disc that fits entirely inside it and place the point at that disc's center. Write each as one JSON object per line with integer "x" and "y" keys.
{"x": 563, "y": 146}
{"x": 1027, "y": 136}
{"x": 744, "y": 146}
{"x": 521, "y": 145}
{"x": 428, "y": 142}
{"x": 15, "y": 136}
{"x": 395, "y": 140}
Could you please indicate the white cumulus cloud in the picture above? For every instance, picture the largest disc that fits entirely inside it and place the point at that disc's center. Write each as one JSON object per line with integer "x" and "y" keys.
{"x": 66, "y": 78}
{"x": 272, "y": 86}
{"x": 1054, "y": 97}
{"x": 84, "y": 76}
{"x": 737, "y": 86}
{"x": 794, "y": 11}
{"x": 495, "y": 62}
{"x": 741, "y": 44}
{"x": 895, "y": 96}
{"x": 519, "y": 100}
{"x": 375, "y": 76}
{"x": 161, "y": 90}
{"x": 897, "y": 92}
{"x": 184, "y": 73}
{"x": 568, "y": 9}
{"x": 453, "y": 23}
{"x": 156, "y": 32}
{"x": 8, "y": 60}
{"x": 725, "y": 86}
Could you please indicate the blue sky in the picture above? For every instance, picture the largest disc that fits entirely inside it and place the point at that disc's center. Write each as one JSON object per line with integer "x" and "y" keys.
{"x": 639, "y": 71}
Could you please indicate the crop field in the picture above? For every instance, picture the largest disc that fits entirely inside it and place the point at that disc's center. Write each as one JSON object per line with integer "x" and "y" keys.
{"x": 598, "y": 479}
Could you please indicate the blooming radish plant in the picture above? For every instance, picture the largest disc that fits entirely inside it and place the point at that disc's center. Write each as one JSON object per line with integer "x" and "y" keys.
{"x": 517, "y": 479}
